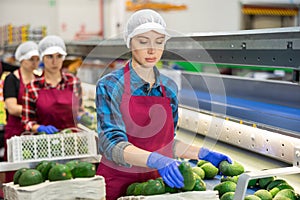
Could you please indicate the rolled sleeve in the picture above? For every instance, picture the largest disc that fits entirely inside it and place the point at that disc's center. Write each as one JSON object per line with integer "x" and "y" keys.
{"x": 118, "y": 153}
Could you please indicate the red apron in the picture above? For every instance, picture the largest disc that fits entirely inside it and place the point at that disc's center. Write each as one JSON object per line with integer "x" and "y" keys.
{"x": 13, "y": 127}
{"x": 149, "y": 126}
{"x": 57, "y": 107}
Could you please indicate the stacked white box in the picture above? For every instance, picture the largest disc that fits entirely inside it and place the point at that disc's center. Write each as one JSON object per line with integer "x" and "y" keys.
{"x": 79, "y": 188}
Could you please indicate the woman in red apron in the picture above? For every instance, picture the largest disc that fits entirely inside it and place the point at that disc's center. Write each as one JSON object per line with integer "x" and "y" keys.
{"x": 53, "y": 101}
{"x": 137, "y": 113}
{"x": 28, "y": 56}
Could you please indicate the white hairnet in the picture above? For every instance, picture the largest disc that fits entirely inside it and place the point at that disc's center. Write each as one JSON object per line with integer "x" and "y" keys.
{"x": 143, "y": 21}
{"x": 52, "y": 44}
{"x": 26, "y": 50}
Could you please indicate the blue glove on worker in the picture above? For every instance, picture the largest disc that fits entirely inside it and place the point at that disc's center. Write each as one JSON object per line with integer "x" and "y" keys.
{"x": 167, "y": 168}
{"x": 49, "y": 129}
{"x": 211, "y": 156}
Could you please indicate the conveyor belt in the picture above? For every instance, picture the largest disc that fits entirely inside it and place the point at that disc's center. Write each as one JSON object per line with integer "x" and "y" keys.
{"x": 251, "y": 161}
{"x": 271, "y": 114}
{"x": 272, "y": 103}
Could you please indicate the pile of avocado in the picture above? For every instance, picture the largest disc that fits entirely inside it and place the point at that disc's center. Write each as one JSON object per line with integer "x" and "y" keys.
{"x": 270, "y": 188}
{"x": 193, "y": 179}
{"x": 230, "y": 173}
{"x": 192, "y": 182}
{"x": 52, "y": 171}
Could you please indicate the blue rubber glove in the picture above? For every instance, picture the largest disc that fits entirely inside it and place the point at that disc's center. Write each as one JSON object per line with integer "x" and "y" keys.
{"x": 49, "y": 129}
{"x": 167, "y": 168}
{"x": 211, "y": 156}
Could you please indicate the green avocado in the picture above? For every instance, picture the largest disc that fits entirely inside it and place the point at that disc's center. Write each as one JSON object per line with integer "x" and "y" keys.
{"x": 233, "y": 169}
{"x": 130, "y": 189}
{"x": 154, "y": 187}
{"x": 84, "y": 170}
{"x": 59, "y": 172}
{"x": 226, "y": 186}
{"x": 188, "y": 175}
{"x": 200, "y": 185}
{"x": 30, "y": 177}
{"x": 18, "y": 173}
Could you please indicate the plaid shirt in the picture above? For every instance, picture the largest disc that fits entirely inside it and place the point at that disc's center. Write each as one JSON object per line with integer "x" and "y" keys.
{"x": 109, "y": 91}
{"x": 31, "y": 95}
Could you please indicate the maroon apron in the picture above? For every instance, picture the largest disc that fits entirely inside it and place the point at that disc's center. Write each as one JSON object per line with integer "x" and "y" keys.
{"x": 149, "y": 126}
{"x": 58, "y": 108}
{"x": 13, "y": 127}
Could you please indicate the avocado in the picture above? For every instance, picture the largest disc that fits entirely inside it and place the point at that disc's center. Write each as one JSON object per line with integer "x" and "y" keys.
{"x": 286, "y": 193}
{"x": 199, "y": 171}
{"x": 210, "y": 170}
{"x": 59, "y": 172}
{"x": 230, "y": 178}
{"x": 30, "y": 177}
{"x": 227, "y": 186}
{"x": 229, "y": 169}
{"x": 18, "y": 173}
{"x": 84, "y": 169}
{"x": 130, "y": 188}
{"x": 274, "y": 191}
{"x": 252, "y": 183}
{"x": 200, "y": 185}
{"x": 45, "y": 169}
{"x": 227, "y": 196}
{"x": 201, "y": 162}
{"x": 139, "y": 188}
{"x": 252, "y": 197}
{"x": 263, "y": 194}
{"x": 154, "y": 187}
{"x": 264, "y": 182}
{"x": 188, "y": 175}
{"x": 72, "y": 163}
{"x": 284, "y": 186}
{"x": 275, "y": 182}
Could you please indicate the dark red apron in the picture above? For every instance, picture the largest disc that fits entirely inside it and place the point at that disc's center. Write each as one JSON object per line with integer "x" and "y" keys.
{"x": 58, "y": 108}
{"x": 149, "y": 126}
{"x": 13, "y": 127}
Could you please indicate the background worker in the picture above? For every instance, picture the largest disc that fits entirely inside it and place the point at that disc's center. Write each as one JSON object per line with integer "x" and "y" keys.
{"x": 28, "y": 56}
{"x": 137, "y": 114}
{"x": 53, "y": 101}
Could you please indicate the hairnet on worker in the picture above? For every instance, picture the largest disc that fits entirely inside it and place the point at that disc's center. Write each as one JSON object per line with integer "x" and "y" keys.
{"x": 50, "y": 45}
{"x": 143, "y": 21}
{"x": 26, "y": 50}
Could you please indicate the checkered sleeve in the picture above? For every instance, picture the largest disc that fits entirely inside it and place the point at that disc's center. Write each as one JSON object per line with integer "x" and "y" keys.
{"x": 111, "y": 128}
{"x": 29, "y": 106}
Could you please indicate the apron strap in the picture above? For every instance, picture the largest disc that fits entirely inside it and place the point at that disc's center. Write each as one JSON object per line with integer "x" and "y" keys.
{"x": 127, "y": 82}
{"x": 127, "y": 79}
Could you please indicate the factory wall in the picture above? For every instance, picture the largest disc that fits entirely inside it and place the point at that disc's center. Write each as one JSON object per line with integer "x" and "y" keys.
{"x": 106, "y": 18}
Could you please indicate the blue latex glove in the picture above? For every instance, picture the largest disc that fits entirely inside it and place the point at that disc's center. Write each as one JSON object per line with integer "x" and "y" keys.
{"x": 49, "y": 129}
{"x": 167, "y": 168}
{"x": 211, "y": 156}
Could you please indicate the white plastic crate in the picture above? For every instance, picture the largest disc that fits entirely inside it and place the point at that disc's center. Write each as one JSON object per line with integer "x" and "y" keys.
{"x": 51, "y": 147}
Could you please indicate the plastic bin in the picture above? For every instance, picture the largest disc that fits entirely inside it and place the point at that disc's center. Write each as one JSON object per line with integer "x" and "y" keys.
{"x": 51, "y": 147}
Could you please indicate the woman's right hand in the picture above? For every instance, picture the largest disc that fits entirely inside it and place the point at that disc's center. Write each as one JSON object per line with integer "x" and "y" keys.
{"x": 167, "y": 168}
{"x": 49, "y": 129}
